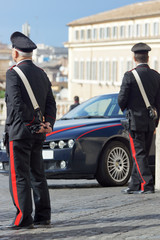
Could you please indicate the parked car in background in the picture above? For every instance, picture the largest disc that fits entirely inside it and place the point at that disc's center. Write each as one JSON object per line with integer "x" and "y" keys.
{"x": 88, "y": 142}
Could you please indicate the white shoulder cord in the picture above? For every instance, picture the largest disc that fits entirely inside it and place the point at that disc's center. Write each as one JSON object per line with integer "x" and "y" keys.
{"x": 28, "y": 87}
{"x": 140, "y": 85}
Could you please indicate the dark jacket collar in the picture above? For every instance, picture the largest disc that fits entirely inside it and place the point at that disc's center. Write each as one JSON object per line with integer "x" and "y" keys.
{"x": 142, "y": 65}
{"x": 24, "y": 62}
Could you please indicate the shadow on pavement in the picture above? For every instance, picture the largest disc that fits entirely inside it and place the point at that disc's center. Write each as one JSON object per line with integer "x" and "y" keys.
{"x": 69, "y": 186}
{"x": 76, "y": 231}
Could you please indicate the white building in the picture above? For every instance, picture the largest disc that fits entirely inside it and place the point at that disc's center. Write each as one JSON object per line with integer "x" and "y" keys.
{"x": 99, "y": 47}
{"x": 44, "y": 53}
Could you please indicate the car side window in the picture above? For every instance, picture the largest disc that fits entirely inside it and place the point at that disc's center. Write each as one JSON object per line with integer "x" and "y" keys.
{"x": 113, "y": 109}
{"x": 103, "y": 106}
{"x": 98, "y": 108}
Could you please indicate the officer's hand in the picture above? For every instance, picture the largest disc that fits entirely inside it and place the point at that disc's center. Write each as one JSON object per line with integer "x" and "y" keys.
{"x": 48, "y": 127}
{"x": 45, "y": 128}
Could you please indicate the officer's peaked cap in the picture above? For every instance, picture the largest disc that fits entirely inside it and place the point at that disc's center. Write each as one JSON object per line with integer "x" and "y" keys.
{"x": 22, "y": 42}
{"x": 140, "y": 47}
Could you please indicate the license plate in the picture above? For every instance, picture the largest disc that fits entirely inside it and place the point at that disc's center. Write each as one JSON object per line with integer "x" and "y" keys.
{"x": 48, "y": 154}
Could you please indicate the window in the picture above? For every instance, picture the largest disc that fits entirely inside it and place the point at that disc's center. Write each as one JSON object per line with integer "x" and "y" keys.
{"x": 107, "y": 71}
{"x": 81, "y": 70}
{"x": 103, "y": 106}
{"x": 156, "y": 29}
{"x": 130, "y": 31}
{"x": 82, "y": 34}
{"x": 129, "y": 65}
{"x": 146, "y": 29}
{"x": 155, "y": 64}
{"x": 76, "y": 70}
{"x": 114, "y": 71}
{"x": 121, "y": 69}
{"x": 101, "y": 33}
{"x": 122, "y": 31}
{"x": 94, "y": 33}
{"x": 88, "y": 33}
{"x": 108, "y": 32}
{"x": 114, "y": 33}
{"x": 137, "y": 30}
{"x": 94, "y": 70}
{"x": 101, "y": 71}
{"x": 76, "y": 34}
{"x": 88, "y": 70}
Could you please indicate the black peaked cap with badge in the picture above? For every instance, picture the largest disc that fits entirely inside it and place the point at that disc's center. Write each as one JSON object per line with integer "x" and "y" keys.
{"x": 141, "y": 48}
{"x": 22, "y": 42}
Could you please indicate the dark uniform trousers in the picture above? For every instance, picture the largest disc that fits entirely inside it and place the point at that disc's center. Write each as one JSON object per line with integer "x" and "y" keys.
{"x": 140, "y": 143}
{"x": 26, "y": 172}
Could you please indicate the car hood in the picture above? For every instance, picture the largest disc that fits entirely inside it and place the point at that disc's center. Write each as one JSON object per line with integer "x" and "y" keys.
{"x": 66, "y": 128}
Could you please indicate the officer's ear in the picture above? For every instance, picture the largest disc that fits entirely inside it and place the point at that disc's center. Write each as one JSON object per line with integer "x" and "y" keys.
{"x": 134, "y": 58}
{"x": 14, "y": 53}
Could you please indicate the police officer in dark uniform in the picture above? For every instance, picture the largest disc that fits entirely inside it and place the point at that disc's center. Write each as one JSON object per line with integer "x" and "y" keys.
{"x": 27, "y": 134}
{"x": 141, "y": 126}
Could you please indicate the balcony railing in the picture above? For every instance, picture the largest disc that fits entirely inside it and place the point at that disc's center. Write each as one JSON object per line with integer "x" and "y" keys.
{"x": 62, "y": 108}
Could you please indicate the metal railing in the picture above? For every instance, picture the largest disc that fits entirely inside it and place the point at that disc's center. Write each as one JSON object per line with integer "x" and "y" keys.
{"x": 62, "y": 108}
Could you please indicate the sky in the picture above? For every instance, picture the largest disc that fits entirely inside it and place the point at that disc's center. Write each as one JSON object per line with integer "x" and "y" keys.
{"x": 48, "y": 19}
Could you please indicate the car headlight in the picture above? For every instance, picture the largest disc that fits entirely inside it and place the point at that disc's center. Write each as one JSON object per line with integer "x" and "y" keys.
{"x": 70, "y": 143}
{"x": 61, "y": 144}
{"x": 52, "y": 145}
{"x": 62, "y": 164}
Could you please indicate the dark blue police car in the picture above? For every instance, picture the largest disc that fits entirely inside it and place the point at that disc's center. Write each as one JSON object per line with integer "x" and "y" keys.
{"x": 88, "y": 142}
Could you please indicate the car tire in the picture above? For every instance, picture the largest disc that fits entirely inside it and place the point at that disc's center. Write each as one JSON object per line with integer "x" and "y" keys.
{"x": 115, "y": 165}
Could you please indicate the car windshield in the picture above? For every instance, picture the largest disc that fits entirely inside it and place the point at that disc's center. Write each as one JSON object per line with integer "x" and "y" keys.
{"x": 105, "y": 106}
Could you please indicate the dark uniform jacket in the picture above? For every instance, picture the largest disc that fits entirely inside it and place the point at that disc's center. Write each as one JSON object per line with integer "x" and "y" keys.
{"x": 20, "y": 112}
{"x": 130, "y": 97}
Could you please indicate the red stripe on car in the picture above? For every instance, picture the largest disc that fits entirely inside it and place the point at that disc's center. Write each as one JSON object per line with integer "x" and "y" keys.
{"x": 64, "y": 129}
{"x": 98, "y": 129}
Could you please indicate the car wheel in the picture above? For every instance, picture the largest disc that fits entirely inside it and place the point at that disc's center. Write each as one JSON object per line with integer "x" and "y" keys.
{"x": 115, "y": 165}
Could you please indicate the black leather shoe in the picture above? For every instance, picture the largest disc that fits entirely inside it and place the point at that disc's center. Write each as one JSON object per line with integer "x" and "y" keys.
{"x": 45, "y": 222}
{"x": 129, "y": 191}
{"x": 15, "y": 227}
{"x": 147, "y": 192}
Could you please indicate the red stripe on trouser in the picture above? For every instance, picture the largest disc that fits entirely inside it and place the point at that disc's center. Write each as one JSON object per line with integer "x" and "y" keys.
{"x": 14, "y": 185}
{"x": 134, "y": 156}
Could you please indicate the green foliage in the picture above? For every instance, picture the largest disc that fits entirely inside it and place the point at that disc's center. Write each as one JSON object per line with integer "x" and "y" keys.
{"x": 2, "y": 93}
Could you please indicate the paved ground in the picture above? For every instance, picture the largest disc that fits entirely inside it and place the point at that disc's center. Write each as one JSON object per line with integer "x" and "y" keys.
{"x": 82, "y": 210}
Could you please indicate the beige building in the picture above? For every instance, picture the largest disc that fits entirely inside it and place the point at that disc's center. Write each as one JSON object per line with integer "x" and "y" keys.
{"x": 5, "y": 58}
{"x": 99, "y": 47}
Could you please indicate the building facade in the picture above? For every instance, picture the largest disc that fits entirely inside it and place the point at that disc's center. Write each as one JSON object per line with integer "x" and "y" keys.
{"x": 99, "y": 47}
{"x": 5, "y": 58}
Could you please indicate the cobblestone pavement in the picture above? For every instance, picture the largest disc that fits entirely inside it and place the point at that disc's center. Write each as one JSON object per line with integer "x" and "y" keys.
{"x": 83, "y": 210}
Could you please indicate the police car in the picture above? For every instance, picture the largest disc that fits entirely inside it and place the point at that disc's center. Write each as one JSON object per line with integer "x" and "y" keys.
{"x": 89, "y": 142}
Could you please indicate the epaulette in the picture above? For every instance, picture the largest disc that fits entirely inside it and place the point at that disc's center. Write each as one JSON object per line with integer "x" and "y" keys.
{"x": 12, "y": 67}
{"x": 131, "y": 70}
